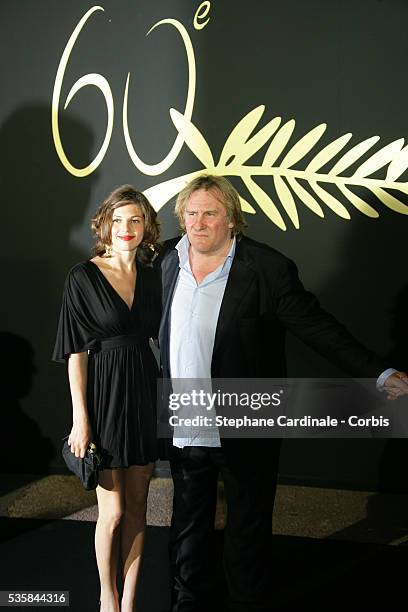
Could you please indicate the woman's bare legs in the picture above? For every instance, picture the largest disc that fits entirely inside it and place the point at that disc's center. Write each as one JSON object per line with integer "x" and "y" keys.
{"x": 122, "y": 500}
{"x": 133, "y": 525}
{"x": 110, "y": 493}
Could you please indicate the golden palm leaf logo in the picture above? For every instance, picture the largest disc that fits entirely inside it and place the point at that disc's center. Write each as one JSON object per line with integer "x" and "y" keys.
{"x": 243, "y": 142}
{"x": 333, "y": 166}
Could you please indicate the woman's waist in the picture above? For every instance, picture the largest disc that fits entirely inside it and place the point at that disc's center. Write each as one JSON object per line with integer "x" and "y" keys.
{"x": 120, "y": 341}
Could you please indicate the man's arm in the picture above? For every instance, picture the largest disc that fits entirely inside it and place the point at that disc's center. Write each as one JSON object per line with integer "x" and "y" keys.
{"x": 300, "y": 311}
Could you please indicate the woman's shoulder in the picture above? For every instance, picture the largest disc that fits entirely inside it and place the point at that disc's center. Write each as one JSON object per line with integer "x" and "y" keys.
{"x": 147, "y": 269}
{"x": 80, "y": 273}
{"x": 150, "y": 278}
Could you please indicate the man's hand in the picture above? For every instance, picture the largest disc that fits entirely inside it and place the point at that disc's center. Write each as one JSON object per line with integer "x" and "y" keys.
{"x": 396, "y": 385}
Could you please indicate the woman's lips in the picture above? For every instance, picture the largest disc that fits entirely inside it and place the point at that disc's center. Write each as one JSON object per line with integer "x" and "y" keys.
{"x": 126, "y": 238}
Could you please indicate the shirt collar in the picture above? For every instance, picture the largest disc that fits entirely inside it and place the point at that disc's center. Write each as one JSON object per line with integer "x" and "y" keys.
{"x": 183, "y": 245}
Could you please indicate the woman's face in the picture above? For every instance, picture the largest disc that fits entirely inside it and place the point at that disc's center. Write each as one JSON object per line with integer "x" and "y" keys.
{"x": 128, "y": 227}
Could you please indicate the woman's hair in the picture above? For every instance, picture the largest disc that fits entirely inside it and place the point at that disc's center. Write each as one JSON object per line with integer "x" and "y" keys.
{"x": 223, "y": 190}
{"x": 102, "y": 222}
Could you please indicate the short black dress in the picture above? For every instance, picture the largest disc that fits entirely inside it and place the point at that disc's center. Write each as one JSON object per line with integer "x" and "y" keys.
{"x": 122, "y": 370}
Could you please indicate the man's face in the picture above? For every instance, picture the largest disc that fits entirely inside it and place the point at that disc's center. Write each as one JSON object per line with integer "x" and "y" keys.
{"x": 207, "y": 225}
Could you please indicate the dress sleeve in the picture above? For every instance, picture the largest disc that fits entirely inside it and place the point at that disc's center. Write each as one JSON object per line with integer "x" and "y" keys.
{"x": 76, "y": 332}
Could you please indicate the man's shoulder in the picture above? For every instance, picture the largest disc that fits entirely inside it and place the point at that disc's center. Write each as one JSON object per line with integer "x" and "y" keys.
{"x": 169, "y": 244}
{"x": 166, "y": 247}
{"x": 260, "y": 252}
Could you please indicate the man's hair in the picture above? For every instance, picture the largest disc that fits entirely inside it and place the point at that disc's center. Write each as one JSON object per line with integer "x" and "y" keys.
{"x": 223, "y": 190}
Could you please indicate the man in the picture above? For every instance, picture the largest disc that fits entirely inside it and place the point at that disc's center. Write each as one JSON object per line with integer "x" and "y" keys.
{"x": 227, "y": 303}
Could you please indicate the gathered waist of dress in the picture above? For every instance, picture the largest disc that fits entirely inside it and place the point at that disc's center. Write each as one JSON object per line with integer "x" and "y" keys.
{"x": 106, "y": 344}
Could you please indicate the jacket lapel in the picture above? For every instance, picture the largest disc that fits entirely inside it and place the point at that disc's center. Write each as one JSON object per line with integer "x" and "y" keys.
{"x": 169, "y": 275}
{"x": 240, "y": 278}
{"x": 170, "y": 270}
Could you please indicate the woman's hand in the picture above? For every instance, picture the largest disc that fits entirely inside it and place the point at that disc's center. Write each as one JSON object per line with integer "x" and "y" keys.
{"x": 80, "y": 437}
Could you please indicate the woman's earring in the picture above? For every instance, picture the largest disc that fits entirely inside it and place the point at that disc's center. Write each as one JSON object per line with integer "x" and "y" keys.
{"x": 148, "y": 245}
{"x": 108, "y": 250}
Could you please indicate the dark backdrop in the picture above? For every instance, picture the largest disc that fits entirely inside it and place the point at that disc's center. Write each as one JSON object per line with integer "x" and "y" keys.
{"x": 334, "y": 61}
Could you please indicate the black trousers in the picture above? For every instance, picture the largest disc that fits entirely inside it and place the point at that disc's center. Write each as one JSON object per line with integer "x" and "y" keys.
{"x": 250, "y": 486}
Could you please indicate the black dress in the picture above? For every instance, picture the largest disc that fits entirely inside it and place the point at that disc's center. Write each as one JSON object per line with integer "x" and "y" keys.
{"x": 122, "y": 370}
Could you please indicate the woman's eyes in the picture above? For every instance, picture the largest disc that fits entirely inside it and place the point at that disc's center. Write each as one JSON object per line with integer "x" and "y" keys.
{"x": 117, "y": 220}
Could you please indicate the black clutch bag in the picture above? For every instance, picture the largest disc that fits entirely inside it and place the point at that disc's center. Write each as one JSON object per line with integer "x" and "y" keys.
{"x": 87, "y": 469}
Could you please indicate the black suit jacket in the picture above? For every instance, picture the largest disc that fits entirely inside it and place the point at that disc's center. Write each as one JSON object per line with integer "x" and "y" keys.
{"x": 263, "y": 298}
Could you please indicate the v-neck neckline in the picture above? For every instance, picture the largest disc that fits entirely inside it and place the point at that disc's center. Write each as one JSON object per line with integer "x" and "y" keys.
{"x": 113, "y": 288}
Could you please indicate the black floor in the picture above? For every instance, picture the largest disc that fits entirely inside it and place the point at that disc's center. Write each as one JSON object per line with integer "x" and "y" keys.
{"x": 59, "y": 555}
{"x": 318, "y": 575}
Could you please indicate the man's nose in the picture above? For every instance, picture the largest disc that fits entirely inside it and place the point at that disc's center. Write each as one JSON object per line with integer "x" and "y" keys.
{"x": 199, "y": 221}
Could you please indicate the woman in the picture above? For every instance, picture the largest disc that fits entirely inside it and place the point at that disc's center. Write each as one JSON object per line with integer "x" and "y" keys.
{"x": 111, "y": 307}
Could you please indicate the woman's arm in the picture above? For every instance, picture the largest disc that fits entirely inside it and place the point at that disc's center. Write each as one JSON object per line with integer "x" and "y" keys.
{"x": 81, "y": 433}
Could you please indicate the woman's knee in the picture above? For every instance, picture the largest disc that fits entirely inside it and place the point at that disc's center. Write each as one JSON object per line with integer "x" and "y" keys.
{"x": 136, "y": 506}
{"x": 111, "y": 518}
{"x": 137, "y": 488}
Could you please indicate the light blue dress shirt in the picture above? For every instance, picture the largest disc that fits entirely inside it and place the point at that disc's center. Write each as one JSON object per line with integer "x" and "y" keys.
{"x": 193, "y": 320}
